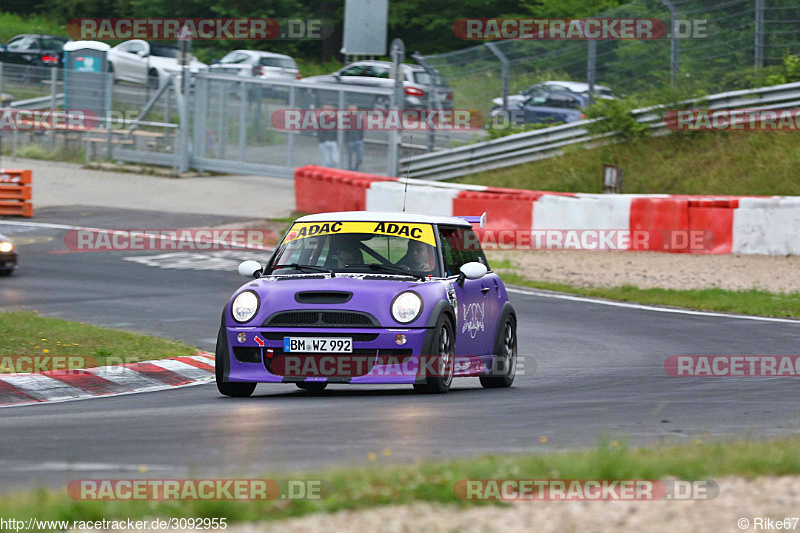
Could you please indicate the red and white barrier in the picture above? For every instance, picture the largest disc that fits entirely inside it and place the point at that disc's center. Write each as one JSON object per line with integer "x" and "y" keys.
{"x": 767, "y": 226}
{"x": 103, "y": 381}
{"x": 730, "y": 224}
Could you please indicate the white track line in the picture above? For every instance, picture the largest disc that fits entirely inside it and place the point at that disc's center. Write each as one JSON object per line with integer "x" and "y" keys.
{"x": 649, "y": 307}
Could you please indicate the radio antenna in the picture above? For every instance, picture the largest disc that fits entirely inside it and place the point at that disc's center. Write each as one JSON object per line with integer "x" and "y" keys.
{"x": 408, "y": 169}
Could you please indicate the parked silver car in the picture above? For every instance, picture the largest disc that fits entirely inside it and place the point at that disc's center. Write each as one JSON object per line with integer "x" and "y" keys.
{"x": 139, "y": 61}
{"x": 417, "y": 83}
{"x": 257, "y": 64}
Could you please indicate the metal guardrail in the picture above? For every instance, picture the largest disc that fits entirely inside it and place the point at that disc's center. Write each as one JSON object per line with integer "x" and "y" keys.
{"x": 549, "y": 142}
{"x": 43, "y": 102}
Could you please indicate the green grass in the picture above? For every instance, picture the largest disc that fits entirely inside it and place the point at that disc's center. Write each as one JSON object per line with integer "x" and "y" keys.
{"x": 750, "y": 302}
{"x": 37, "y": 151}
{"x": 26, "y": 333}
{"x": 12, "y": 24}
{"x": 735, "y": 163}
{"x": 387, "y": 484}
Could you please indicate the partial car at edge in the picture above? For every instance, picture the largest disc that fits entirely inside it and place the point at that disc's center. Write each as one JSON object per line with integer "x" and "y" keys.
{"x": 8, "y": 256}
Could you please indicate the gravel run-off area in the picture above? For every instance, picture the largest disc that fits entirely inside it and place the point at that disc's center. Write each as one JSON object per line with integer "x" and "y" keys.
{"x": 645, "y": 270}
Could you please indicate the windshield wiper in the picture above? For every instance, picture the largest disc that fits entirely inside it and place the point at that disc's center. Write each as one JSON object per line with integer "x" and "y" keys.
{"x": 390, "y": 268}
{"x": 298, "y": 266}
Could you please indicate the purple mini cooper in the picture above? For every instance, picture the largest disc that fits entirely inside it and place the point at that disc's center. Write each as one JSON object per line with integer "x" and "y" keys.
{"x": 369, "y": 298}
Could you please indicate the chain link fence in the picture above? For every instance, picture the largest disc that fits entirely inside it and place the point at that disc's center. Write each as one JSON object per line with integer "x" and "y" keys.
{"x": 224, "y": 125}
{"x": 122, "y": 120}
{"x": 718, "y": 46}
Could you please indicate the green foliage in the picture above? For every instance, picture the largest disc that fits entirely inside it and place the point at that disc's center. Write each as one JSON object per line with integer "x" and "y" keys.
{"x": 12, "y": 24}
{"x": 615, "y": 116}
{"x": 790, "y": 71}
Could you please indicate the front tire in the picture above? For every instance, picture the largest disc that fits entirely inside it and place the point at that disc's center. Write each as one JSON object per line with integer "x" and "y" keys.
{"x": 444, "y": 343}
{"x": 221, "y": 355}
{"x": 504, "y": 366}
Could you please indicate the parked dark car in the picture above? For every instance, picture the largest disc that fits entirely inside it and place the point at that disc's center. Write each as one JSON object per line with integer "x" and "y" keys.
{"x": 547, "y": 106}
{"x": 34, "y": 50}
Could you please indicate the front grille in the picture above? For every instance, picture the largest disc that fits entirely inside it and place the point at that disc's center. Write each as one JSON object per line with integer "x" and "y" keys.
{"x": 357, "y": 337}
{"x": 321, "y": 319}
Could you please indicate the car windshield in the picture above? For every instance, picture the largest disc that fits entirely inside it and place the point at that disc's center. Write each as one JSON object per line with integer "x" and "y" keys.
{"x": 377, "y": 247}
{"x": 161, "y": 50}
{"x": 283, "y": 62}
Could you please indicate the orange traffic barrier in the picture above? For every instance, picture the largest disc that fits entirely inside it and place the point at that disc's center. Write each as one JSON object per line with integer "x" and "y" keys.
{"x": 16, "y": 193}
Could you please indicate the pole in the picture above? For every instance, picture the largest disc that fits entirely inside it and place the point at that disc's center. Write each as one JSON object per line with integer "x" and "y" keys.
{"x": 242, "y": 120}
{"x": 397, "y": 52}
{"x": 759, "y": 34}
{"x": 674, "y": 49}
{"x": 290, "y": 134}
{"x": 433, "y": 75}
{"x": 53, "y": 103}
{"x": 506, "y": 65}
{"x": 591, "y": 67}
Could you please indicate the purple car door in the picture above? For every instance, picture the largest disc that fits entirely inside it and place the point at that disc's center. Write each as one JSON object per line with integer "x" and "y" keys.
{"x": 476, "y": 310}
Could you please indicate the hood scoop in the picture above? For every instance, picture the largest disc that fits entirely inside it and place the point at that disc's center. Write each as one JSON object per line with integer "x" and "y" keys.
{"x": 323, "y": 297}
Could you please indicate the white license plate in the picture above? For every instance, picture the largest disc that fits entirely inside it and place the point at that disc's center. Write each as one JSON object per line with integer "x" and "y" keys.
{"x": 318, "y": 344}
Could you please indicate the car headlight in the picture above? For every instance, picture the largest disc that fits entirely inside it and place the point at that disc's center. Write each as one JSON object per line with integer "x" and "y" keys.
{"x": 406, "y": 307}
{"x": 245, "y": 306}
{"x": 6, "y": 246}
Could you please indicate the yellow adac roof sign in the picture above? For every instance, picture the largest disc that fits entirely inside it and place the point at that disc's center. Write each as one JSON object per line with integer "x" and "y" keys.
{"x": 417, "y": 232}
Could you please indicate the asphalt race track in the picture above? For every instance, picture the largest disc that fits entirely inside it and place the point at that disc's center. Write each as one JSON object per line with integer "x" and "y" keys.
{"x": 590, "y": 371}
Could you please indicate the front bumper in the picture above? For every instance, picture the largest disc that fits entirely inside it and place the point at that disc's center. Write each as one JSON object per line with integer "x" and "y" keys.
{"x": 378, "y": 358}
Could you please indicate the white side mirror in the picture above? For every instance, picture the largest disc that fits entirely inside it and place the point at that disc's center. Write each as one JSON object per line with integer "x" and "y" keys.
{"x": 251, "y": 269}
{"x": 473, "y": 270}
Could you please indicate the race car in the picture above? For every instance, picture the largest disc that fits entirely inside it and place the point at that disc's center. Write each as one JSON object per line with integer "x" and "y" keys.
{"x": 369, "y": 298}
